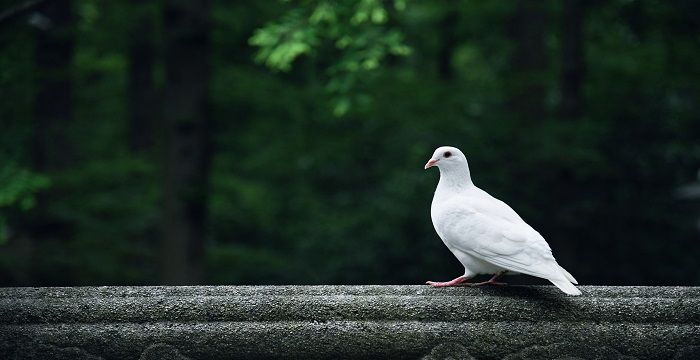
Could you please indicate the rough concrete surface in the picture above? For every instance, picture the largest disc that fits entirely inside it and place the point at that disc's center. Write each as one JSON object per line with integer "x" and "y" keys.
{"x": 374, "y": 322}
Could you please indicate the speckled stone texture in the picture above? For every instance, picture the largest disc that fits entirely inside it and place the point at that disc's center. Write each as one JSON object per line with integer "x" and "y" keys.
{"x": 373, "y": 322}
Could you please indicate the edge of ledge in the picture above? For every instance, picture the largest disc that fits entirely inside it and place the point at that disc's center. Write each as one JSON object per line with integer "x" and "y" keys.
{"x": 353, "y": 290}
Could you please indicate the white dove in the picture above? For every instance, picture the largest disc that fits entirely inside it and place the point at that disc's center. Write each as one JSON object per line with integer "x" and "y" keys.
{"x": 485, "y": 234}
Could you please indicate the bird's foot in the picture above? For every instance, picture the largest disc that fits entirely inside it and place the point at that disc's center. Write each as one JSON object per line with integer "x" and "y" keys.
{"x": 489, "y": 282}
{"x": 453, "y": 282}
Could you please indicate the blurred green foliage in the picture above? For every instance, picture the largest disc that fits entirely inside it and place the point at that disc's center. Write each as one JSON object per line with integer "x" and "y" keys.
{"x": 317, "y": 173}
{"x": 18, "y": 188}
{"x": 354, "y": 32}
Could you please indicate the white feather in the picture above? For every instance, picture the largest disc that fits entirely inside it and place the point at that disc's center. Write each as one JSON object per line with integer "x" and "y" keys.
{"x": 485, "y": 234}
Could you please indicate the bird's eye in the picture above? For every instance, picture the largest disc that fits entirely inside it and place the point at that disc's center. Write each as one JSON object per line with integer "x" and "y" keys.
{"x": 447, "y": 154}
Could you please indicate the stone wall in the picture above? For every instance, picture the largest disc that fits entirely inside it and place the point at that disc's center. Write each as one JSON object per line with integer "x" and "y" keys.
{"x": 304, "y": 322}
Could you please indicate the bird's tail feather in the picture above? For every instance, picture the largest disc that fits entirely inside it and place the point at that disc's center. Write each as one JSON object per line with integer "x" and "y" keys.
{"x": 565, "y": 286}
{"x": 568, "y": 276}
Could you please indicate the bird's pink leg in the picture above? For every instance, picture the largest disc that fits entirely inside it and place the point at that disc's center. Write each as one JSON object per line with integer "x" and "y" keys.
{"x": 491, "y": 281}
{"x": 453, "y": 282}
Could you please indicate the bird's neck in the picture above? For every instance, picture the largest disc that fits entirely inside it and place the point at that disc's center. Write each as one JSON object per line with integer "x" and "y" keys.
{"x": 454, "y": 179}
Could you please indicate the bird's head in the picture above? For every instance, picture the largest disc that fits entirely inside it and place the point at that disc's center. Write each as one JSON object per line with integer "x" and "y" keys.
{"x": 447, "y": 157}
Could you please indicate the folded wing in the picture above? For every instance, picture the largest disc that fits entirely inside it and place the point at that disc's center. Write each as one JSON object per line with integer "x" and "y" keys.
{"x": 490, "y": 230}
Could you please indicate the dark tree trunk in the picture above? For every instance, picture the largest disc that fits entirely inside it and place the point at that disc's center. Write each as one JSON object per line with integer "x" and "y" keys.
{"x": 53, "y": 99}
{"x": 573, "y": 65}
{"x": 188, "y": 152}
{"x": 529, "y": 61}
{"x": 143, "y": 99}
{"x": 51, "y": 148}
{"x": 448, "y": 27}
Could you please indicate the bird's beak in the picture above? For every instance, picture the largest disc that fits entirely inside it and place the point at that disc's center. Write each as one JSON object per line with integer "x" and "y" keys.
{"x": 430, "y": 163}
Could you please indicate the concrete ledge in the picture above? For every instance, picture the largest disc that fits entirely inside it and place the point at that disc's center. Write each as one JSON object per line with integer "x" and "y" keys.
{"x": 243, "y": 322}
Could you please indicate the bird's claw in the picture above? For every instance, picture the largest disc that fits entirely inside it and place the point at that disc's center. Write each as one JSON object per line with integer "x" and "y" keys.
{"x": 453, "y": 282}
{"x": 463, "y": 282}
{"x": 485, "y": 283}
{"x": 436, "y": 284}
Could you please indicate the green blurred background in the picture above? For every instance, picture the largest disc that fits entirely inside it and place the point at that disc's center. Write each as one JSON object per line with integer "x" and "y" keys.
{"x": 283, "y": 142}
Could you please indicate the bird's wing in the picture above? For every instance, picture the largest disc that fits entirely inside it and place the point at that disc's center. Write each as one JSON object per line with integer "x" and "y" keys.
{"x": 497, "y": 235}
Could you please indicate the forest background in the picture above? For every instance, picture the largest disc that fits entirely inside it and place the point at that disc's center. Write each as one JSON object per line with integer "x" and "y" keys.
{"x": 283, "y": 142}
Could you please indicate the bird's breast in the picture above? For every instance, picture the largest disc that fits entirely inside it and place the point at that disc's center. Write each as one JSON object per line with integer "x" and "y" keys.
{"x": 451, "y": 220}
